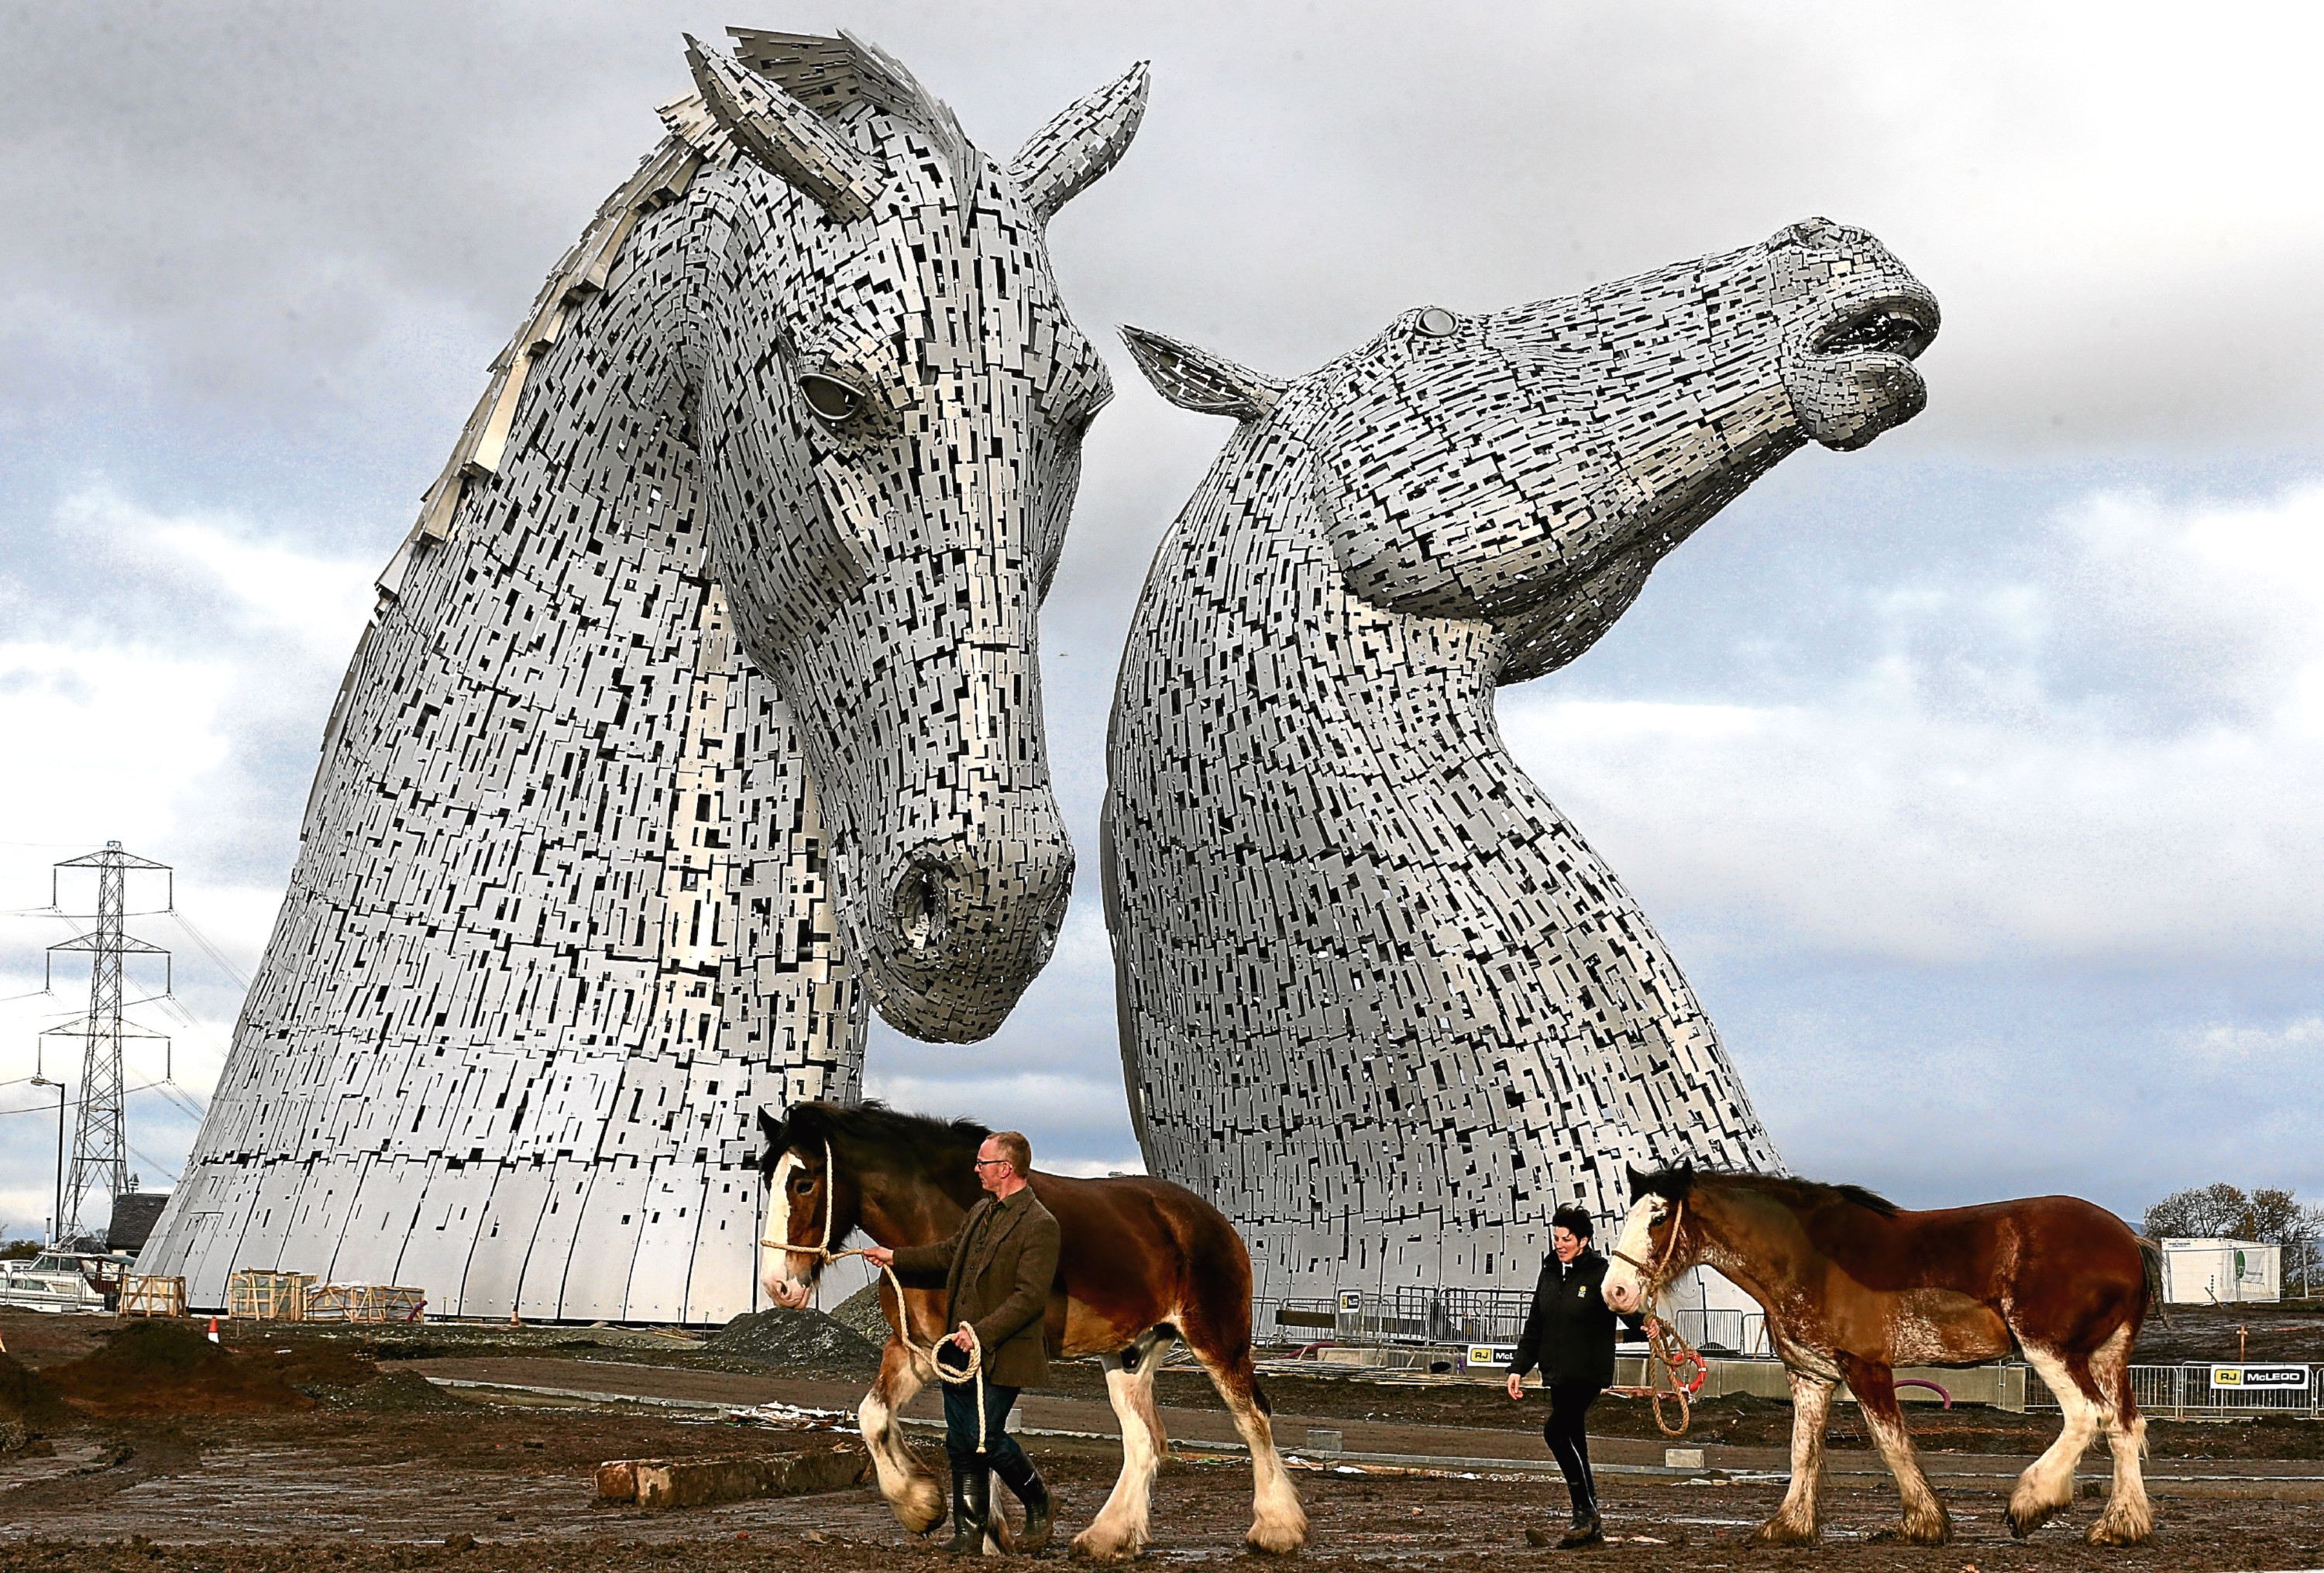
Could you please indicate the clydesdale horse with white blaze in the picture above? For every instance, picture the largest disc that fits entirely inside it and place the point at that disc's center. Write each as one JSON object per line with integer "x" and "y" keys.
{"x": 1854, "y": 1286}
{"x": 1143, "y": 1262}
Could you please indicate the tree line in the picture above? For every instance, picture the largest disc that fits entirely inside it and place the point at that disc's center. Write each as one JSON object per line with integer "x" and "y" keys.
{"x": 2269, "y": 1215}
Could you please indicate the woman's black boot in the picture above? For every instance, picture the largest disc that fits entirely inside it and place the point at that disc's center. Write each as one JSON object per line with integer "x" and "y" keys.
{"x": 1586, "y": 1532}
{"x": 971, "y": 1504}
{"x": 1016, "y": 1473}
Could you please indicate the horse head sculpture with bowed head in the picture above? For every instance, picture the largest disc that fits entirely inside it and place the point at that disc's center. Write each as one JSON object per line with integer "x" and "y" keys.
{"x": 701, "y": 708}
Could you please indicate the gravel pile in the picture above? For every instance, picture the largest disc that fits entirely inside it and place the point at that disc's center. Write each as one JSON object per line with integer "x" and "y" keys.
{"x": 861, "y": 1311}
{"x": 798, "y": 1340}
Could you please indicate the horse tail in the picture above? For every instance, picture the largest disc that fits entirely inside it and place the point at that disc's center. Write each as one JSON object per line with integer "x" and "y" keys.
{"x": 2150, "y": 1255}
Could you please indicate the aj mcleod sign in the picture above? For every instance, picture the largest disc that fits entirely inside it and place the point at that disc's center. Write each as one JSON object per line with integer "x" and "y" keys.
{"x": 2288, "y": 1378}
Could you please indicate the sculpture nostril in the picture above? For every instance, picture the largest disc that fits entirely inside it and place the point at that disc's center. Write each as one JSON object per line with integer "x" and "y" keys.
{"x": 920, "y": 908}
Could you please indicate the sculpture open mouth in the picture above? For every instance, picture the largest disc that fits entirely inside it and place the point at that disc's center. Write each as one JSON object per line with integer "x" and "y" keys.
{"x": 1895, "y": 325}
{"x": 1852, "y": 376}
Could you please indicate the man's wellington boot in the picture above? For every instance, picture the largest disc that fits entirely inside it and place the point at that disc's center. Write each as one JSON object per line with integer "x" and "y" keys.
{"x": 1016, "y": 1473}
{"x": 971, "y": 1504}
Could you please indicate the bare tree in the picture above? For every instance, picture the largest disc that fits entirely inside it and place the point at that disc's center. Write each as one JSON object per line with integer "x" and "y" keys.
{"x": 2269, "y": 1215}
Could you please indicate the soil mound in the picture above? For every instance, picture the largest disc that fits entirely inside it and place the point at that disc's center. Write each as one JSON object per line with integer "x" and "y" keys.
{"x": 166, "y": 1368}
{"x": 797, "y": 1339}
{"x": 28, "y": 1406}
{"x": 861, "y": 1311}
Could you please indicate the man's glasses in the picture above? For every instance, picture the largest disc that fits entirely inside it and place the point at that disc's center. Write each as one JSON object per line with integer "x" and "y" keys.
{"x": 987, "y": 1163}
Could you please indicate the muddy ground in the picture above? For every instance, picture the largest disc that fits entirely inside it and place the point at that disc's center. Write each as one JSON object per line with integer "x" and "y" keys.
{"x": 304, "y": 1447}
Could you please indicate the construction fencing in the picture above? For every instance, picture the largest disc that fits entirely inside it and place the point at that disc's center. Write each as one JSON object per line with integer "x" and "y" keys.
{"x": 2195, "y": 1392}
{"x": 1456, "y": 1318}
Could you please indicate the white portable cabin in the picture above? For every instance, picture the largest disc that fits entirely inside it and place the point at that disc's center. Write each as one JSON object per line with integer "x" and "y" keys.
{"x": 2221, "y": 1271}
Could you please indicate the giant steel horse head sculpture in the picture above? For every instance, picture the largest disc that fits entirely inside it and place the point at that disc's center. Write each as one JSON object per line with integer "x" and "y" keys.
{"x": 1380, "y": 1001}
{"x": 891, "y": 399}
{"x": 701, "y": 710}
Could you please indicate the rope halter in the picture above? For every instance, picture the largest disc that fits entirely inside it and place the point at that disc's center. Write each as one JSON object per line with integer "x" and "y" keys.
{"x": 1660, "y": 1338}
{"x": 967, "y": 1373}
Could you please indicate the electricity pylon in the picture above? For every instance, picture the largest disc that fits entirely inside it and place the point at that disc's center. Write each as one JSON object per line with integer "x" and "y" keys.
{"x": 100, "y": 1143}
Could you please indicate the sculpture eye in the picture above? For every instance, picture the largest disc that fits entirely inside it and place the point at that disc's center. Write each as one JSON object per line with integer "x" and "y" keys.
{"x": 832, "y": 400}
{"x": 1438, "y": 323}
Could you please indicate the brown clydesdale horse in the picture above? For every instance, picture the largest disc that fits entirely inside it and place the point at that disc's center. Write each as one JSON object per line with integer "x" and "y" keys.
{"x": 1143, "y": 1262}
{"x": 1854, "y": 1286}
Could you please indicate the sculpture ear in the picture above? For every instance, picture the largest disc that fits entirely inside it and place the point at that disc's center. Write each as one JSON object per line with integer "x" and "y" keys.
{"x": 1197, "y": 380}
{"x": 1080, "y": 144}
{"x": 784, "y": 137}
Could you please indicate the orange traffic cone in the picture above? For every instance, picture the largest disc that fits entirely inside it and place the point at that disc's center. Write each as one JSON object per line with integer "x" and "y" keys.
{"x": 214, "y": 1338}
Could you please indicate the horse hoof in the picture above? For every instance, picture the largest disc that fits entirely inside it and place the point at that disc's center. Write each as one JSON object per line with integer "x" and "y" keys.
{"x": 1907, "y": 1535}
{"x": 1088, "y": 1547}
{"x": 2023, "y": 1521}
{"x": 920, "y": 1507}
{"x": 2106, "y": 1535}
{"x": 1775, "y": 1533}
{"x": 1273, "y": 1543}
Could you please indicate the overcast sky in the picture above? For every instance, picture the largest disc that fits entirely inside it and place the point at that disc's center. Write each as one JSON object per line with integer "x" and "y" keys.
{"x": 1973, "y": 779}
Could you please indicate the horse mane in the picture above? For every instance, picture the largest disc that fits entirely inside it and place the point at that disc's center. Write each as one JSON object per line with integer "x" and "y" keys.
{"x": 873, "y": 1122}
{"x": 1678, "y": 1184}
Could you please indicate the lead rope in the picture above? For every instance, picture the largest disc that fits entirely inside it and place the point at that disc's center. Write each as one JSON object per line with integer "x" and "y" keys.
{"x": 1661, "y": 1337}
{"x": 967, "y": 1373}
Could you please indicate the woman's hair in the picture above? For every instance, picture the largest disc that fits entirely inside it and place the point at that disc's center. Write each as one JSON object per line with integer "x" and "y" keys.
{"x": 1572, "y": 1221}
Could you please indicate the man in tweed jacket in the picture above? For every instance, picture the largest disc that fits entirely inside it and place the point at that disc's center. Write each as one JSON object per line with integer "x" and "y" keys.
{"x": 997, "y": 1273}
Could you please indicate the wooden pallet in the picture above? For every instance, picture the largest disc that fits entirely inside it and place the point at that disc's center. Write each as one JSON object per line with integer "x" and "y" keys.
{"x": 143, "y": 1295}
{"x": 364, "y": 1302}
{"x": 260, "y": 1296}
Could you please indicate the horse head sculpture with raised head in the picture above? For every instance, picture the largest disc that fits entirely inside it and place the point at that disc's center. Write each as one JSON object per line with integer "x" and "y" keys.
{"x": 1376, "y": 994}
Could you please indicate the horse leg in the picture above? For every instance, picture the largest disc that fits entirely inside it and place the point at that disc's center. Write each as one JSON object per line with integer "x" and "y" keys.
{"x": 1796, "y": 1521}
{"x": 1279, "y": 1523}
{"x": 1875, "y": 1387}
{"x": 1120, "y": 1527}
{"x": 2129, "y": 1517}
{"x": 912, "y": 1492}
{"x": 2048, "y": 1483}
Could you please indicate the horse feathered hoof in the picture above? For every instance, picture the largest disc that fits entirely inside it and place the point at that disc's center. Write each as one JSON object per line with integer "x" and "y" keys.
{"x": 2103, "y": 1533}
{"x": 1089, "y": 1546}
{"x": 1910, "y": 1535}
{"x": 1775, "y": 1531}
{"x": 920, "y": 1507}
{"x": 1265, "y": 1543}
{"x": 2024, "y": 1521}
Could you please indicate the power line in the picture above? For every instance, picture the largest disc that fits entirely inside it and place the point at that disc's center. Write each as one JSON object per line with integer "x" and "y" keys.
{"x": 155, "y": 1164}
{"x": 202, "y": 941}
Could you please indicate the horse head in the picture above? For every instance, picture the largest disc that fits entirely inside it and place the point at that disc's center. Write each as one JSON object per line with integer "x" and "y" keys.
{"x": 830, "y": 1169}
{"x": 811, "y": 1209}
{"x": 1654, "y": 1243}
{"x": 1524, "y": 466}
{"x": 890, "y": 401}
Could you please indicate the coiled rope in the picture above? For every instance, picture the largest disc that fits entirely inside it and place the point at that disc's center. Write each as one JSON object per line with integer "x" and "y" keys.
{"x": 1661, "y": 1338}
{"x": 951, "y": 1377}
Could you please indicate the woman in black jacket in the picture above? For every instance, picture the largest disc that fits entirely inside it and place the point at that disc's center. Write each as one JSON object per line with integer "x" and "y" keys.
{"x": 1570, "y": 1332}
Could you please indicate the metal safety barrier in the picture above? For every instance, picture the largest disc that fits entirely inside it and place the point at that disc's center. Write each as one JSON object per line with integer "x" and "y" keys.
{"x": 2189, "y": 1391}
